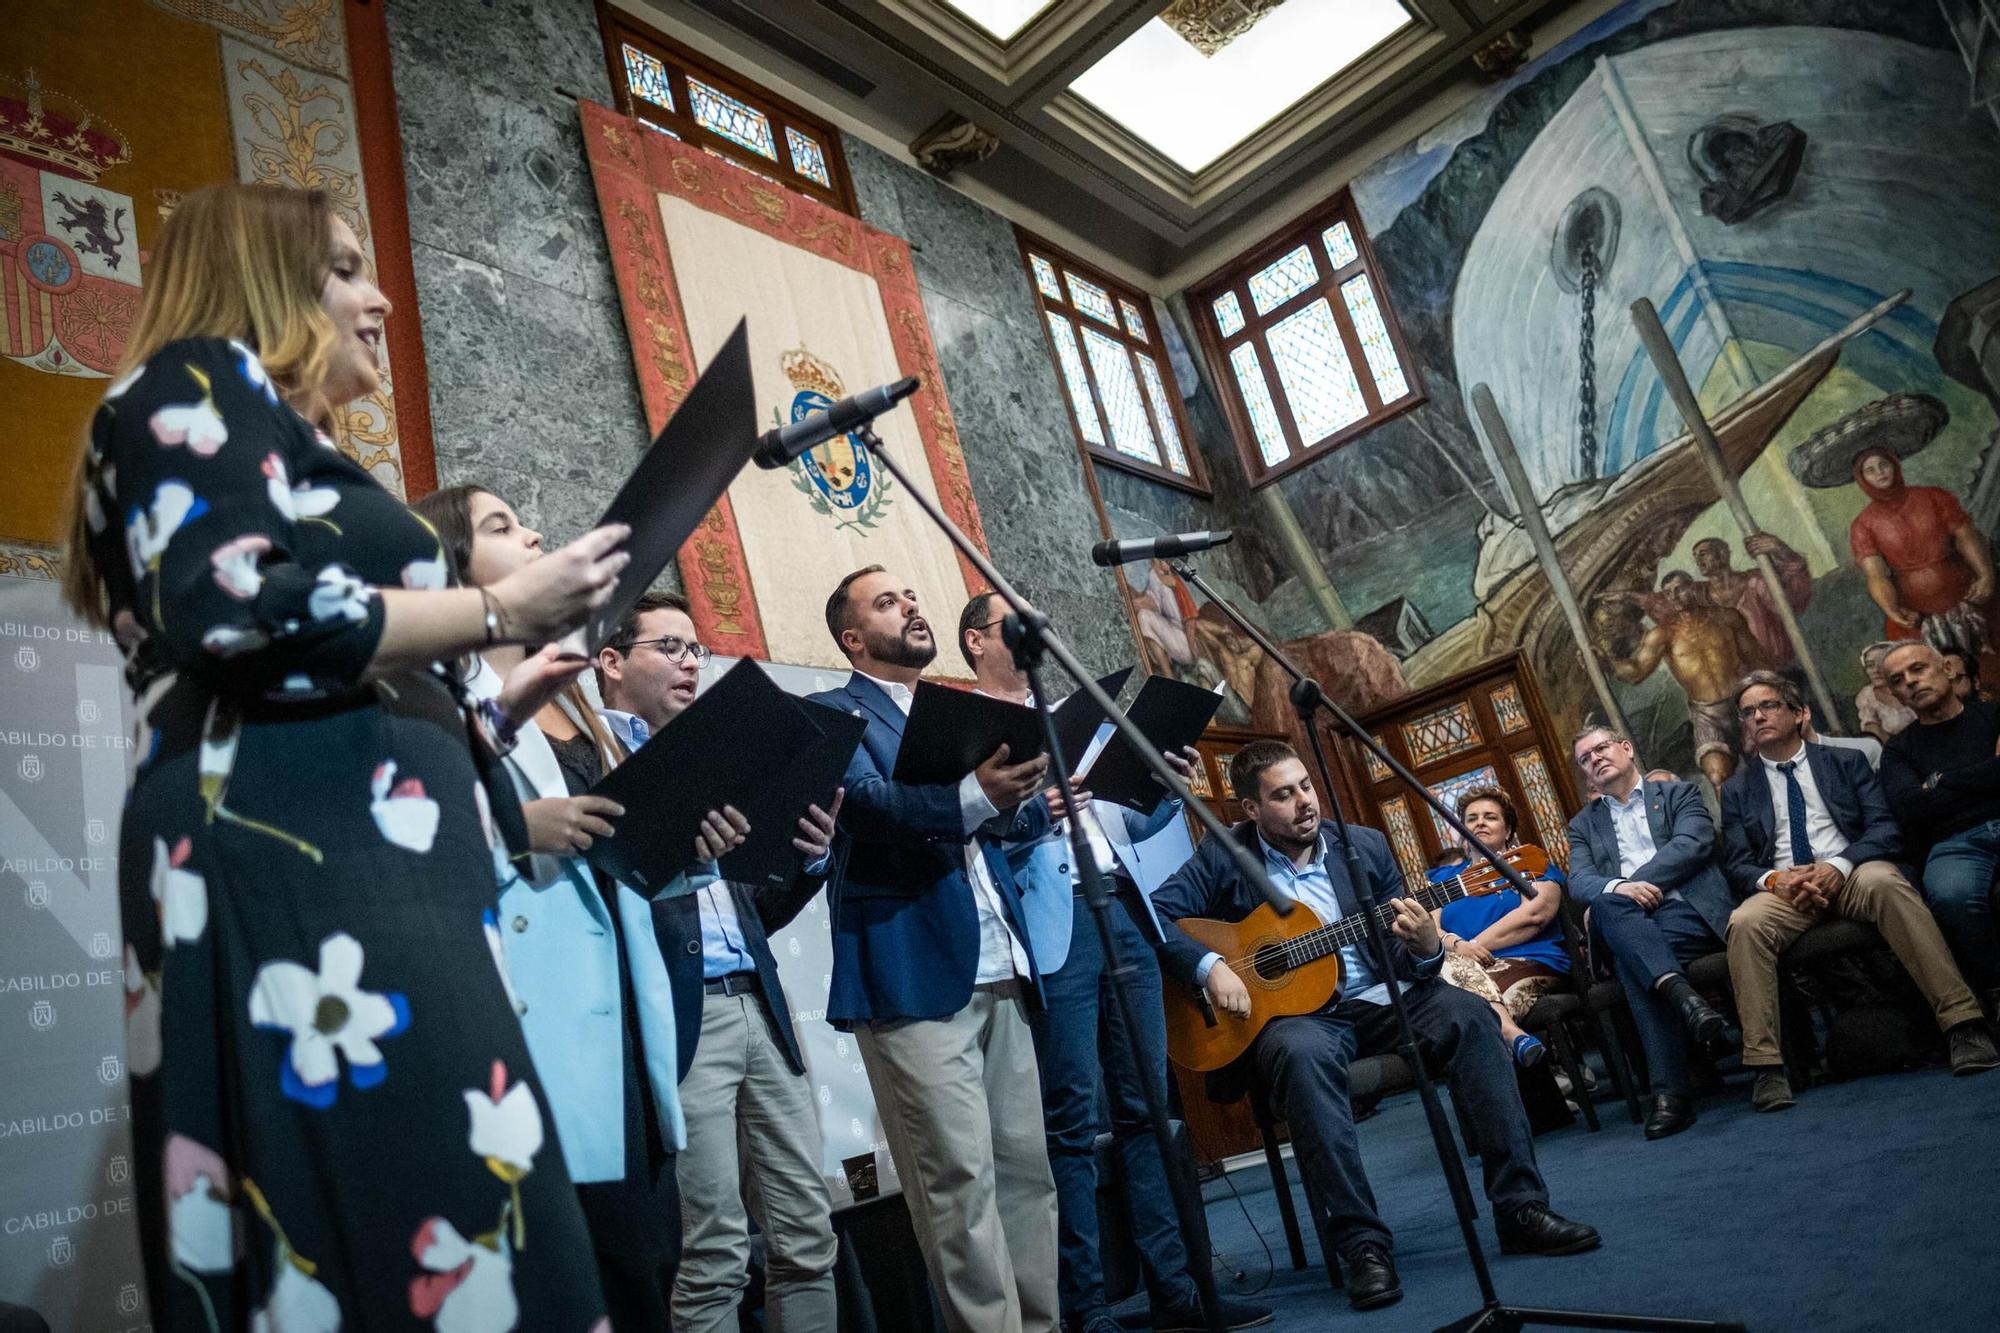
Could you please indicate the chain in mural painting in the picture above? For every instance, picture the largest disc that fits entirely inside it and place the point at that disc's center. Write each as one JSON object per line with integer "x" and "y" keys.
{"x": 1586, "y": 371}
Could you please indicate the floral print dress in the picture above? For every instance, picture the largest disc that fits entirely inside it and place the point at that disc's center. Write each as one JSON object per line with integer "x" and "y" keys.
{"x": 334, "y": 1114}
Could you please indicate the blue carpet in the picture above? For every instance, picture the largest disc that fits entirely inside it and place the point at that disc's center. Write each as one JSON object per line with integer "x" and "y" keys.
{"x": 1872, "y": 1204}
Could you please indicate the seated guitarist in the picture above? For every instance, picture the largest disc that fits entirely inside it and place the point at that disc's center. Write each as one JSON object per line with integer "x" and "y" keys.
{"x": 1304, "y": 1060}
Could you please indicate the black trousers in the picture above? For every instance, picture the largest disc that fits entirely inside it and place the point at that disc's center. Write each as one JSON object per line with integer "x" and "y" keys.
{"x": 1304, "y": 1062}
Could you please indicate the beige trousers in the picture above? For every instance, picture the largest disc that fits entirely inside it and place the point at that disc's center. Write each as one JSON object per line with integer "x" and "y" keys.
{"x": 961, "y": 1103}
{"x": 1764, "y": 925}
{"x": 750, "y": 1119}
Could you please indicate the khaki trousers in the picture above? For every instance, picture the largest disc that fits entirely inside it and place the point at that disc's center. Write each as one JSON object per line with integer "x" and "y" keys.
{"x": 1764, "y": 925}
{"x": 745, "y": 1108}
{"x": 961, "y": 1103}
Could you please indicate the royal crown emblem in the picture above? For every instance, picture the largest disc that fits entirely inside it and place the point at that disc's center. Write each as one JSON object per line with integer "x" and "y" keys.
{"x": 55, "y": 132}
{"x": 838, "y": 478}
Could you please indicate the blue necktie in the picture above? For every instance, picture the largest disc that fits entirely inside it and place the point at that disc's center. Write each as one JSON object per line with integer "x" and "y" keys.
{"x": 641, "y": 733}
{"x": 1795, "y": 808}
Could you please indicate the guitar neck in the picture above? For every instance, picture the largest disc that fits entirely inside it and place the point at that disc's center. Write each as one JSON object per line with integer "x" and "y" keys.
{"x": 1337, "y": 935}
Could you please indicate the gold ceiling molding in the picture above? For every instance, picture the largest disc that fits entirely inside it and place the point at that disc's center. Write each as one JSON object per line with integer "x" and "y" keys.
{"x": 1210, "y": 25}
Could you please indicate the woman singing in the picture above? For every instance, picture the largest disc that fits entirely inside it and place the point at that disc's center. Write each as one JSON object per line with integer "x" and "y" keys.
{"x": 1497, "y": 946}
{"x": 334, "y": 1114}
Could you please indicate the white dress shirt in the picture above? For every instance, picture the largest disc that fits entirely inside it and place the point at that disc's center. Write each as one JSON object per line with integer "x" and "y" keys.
{"x": 1827, "y": 842}
{"x": 1001, "y": 956}
{"x": 1086, "y": 818}
{"x": 1633, "y": 828}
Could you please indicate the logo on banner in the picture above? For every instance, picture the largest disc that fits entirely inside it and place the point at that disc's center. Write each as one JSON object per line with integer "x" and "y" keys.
{"x": 128, "y": 1298}
{"x": 26, "y": 658}
{"x": 86, "y": 711}
{"x": 118, "y": 1170}
{"x": 838, "y": 478}
{"x": 41, "y": 1015}
{"x": 37, "y": 894}
{"x": 109, "y": 1070}
{"x": 61, "y": 1252}
{"x": 31, "y": 768}
{"x": 93, "y": 830}
{"x": 100, "y": 945}
{"x": 73, "y": 287}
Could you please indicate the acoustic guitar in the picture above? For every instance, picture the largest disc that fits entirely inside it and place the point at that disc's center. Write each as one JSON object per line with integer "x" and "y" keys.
{"x": 1291, "y": 964}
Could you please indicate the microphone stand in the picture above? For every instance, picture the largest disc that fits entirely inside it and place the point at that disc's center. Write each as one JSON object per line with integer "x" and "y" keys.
{"x": 1308, "y": 699}
{"x": 1027, "y": 631}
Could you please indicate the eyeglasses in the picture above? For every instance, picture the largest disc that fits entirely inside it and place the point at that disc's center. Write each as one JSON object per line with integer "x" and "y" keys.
{"x": 675, "y": 648}
{"x": 1763, "y": 708}
{"x": 990, "y": 624}
{"x": 1603, "y": 747}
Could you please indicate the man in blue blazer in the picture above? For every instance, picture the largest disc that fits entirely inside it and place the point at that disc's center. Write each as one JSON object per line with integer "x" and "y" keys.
{"x": 739, "y": 1069}
{"x": 1808, "y": 836}
{"x": 1304, "y": 1059}
{"x": 1642, "y": 859}
{"x": 931, "y": 972}
{"x": 1078, "y": 1038}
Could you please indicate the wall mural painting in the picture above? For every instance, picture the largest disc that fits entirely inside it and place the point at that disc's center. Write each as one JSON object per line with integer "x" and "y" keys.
{"x": 1805, "y": 192}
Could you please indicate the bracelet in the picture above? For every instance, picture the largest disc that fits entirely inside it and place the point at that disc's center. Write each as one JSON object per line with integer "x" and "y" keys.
{"x": 494, "y": 621}
{"x": 505, "y": 729}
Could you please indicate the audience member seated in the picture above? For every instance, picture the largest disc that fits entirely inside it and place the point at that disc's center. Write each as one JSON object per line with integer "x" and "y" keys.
{"x": 1942, "y": 776}
{"x": 1881, "y": 713}
{"x": 1505, "y": 951}
{"x": 1807, "y": 836}
{"x": 1642, "y": 858}
{"x": 1304, "y": 1058}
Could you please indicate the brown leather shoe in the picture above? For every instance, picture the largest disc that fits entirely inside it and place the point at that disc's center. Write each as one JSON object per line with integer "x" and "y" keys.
{"x": 1972, "y": 1049}
{"x": 1772, "y": 1091}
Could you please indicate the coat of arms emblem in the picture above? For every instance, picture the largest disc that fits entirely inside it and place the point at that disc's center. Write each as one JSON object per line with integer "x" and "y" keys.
{"x": 838, "y": 477}
{"x": 41, "y": 1015}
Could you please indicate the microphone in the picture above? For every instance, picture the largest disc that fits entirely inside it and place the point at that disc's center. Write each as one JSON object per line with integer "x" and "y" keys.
{"x": 1180, "y": 543}
{"x": 780, "y": 445}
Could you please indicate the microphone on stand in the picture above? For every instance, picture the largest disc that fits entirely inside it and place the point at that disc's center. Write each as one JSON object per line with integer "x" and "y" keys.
{"x": 780, "y": 445}
{"x": 1180, "y": 543}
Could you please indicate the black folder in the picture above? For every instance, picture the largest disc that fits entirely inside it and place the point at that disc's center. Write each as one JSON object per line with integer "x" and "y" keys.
{"x": 704, "y": 444}
{"x": 951, "y": 732}
{"x": 1170, "y": 713}
{"x": 737, "y": 744}
{"x": 1078, "y": 717}
{"x": 810, "y": 779}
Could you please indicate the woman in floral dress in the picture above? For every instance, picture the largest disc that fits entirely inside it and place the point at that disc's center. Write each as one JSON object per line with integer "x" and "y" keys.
{"x": 334, "y": 1113}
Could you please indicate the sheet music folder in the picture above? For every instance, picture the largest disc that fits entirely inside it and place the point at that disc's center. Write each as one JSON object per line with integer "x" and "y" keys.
{"x": 721, "y": 752}
{"x": 951, "y": 732}
{"x": 1170, "y": 713}
{"x": 691, "y": 462}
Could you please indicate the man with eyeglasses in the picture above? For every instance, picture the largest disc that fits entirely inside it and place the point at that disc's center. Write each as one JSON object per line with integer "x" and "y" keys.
{"x": 740, "y": 1064}
{"x": 1642, "y": 859}
{"x": 1807, "y": 837}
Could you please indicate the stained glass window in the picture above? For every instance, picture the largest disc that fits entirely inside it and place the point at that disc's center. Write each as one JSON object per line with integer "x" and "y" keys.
{"x": 1092, "y": 300}
{"x": 745, "y": 124}
{"x": 1450, "y": 730}
{"x": 1318, "y": 378}
{"x": 1275, "y": 284}
{"x": 1045, "y": 277}
{"x": 1359, "y": 293}
{"x": 1308, "y": 307}
{"x": 1156, "y": 393}
{"x": 647, "y": 77}
{"x": 1071, "y": 360}
{"x": 1257, "y": 398}
{"x": 1403, "y": 838}
{"x": 1340, "y": 246}
{"x": 1118, "y": 390}
{"x": 807, "y": 159}
{"x": 1135, "y": 323}
{"x": 1228, "y": 314}
{"x": 1544, "y": 804}
{"x": 1451, "y": 789}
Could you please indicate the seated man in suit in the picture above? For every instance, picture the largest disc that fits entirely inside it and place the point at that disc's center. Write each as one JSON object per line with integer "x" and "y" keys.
{"x": 738, "y": 1061}
{"x": 1304, "y": 1059}
{"x": 1079, "y": 1036}
{"x": 1807, "y": 835}
{"x": 931, "y": 975}
{"x": 1642, "y": 859}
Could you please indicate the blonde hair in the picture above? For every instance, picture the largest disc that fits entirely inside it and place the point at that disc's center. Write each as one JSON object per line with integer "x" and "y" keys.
{"x": 234, "y": 261}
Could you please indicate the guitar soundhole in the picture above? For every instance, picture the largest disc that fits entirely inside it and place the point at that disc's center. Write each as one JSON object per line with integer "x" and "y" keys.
{"x": 1270, "y": 962}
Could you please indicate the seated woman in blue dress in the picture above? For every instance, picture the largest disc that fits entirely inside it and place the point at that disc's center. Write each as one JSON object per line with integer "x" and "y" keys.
{"x": 1496, "y": 945}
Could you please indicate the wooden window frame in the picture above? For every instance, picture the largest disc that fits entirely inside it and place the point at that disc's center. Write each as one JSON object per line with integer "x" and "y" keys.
{"x": 1154, "y": 346}
{"x": 619, "y": 29}
{"x": 1235, "y": 277}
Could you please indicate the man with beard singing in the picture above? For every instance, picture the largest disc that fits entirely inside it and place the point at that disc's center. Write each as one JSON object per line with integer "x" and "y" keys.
{"x": 931, "y": 974}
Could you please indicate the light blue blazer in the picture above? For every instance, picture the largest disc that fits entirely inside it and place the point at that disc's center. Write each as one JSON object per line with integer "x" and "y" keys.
{"x": 1041, "y": 868}
{"x": 561, "y": 956}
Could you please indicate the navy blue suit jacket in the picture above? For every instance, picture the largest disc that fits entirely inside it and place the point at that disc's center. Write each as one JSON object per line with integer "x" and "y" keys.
{"x": 1210, "y": 885}
{"x": 905, "y": 928}
{"x": 1683, "y": 852}
{"x": 1853, "y": 796}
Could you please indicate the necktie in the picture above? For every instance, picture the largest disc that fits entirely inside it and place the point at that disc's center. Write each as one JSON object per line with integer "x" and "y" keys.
{"x": 1795, "y": 808}
{"x": 641, "y": 733}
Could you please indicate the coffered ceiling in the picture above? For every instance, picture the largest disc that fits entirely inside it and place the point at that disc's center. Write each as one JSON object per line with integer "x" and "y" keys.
{"x": 1148, "y": 129}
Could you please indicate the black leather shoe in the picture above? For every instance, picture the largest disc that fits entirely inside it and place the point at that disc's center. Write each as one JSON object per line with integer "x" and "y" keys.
{"x": 1670, "y": 1115}
{"x": 1188, "y": 1319}
{"x": 1371, "y": 1278}
{"x": 1534, "y": 1229}
{"x": 1709, "y": 1029}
